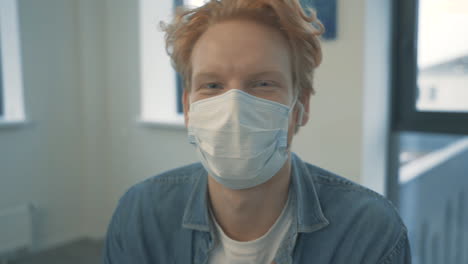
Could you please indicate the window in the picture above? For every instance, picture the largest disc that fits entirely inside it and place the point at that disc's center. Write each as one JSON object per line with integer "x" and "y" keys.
{"x": 162, "y": 87}
{"x": 11, "y": 86}
{"x": 160, "y": 102}
{"x": 431, "y": 66}
{"x": 429, "y": 143}
{"x": 443, "y": 57}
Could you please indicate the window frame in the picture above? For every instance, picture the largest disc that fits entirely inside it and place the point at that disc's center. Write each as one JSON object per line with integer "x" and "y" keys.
{"x": 179, "y": 78}
{"x": 405, "y": 116}
{"x": 2, "y": 104}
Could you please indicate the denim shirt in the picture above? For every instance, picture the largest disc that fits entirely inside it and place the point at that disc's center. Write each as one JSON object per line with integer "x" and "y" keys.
{"x": 165, "y": 219}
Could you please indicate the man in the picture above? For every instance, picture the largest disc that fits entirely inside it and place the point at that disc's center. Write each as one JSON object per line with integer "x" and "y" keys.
{"x": 248, "y": 67}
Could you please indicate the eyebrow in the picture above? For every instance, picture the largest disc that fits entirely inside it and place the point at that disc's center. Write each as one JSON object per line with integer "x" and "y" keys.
{"x": 205, "y": 75}
{"x": 202, "y": 75}
{"x": 270, "y": 72}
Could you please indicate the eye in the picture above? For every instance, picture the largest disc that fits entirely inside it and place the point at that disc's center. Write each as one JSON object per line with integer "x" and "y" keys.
{"x": 212, "y": 86}
{"x": 264, "y": 84}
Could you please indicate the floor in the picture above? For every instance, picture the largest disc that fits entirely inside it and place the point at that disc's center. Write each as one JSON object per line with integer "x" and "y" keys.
{"x": 83, "y": 251}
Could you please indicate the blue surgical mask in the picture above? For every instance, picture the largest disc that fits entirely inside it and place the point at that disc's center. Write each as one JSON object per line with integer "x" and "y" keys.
{"x": 241, "y": 140}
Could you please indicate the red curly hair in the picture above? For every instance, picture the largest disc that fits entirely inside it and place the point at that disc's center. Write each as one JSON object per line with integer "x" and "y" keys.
{"x": 300, "y": 29}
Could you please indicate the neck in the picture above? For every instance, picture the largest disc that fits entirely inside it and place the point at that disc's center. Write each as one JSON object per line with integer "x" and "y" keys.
{"x": 248, "y": 214}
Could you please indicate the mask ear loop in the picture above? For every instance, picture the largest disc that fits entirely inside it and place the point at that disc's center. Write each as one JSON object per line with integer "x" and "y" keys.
{"x": 300, "y": 114}
{"x": 301, "y": 110}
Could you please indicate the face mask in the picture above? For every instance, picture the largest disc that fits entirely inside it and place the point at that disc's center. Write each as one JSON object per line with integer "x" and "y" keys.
{"x": 240, "y": 139}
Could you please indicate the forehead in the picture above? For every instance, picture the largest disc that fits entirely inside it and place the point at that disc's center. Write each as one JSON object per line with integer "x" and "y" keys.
{"x": 241, "y": 46}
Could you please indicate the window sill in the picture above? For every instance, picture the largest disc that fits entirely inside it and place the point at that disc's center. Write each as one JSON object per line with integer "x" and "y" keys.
{"x": 13, "y": 122}
{"x": 167, "y": 124}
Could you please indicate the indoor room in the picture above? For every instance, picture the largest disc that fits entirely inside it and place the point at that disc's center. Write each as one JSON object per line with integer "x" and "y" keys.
{"x": 99, "y": 123}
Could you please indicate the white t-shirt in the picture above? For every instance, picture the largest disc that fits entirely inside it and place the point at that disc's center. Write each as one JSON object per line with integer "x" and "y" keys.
{"x": 259, "y": 251}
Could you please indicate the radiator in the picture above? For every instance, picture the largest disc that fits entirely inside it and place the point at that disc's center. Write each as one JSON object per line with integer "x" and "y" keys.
{"x": 15, "y": 229}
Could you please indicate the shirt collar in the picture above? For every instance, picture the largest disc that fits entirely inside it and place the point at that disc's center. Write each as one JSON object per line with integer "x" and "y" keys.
{"x": 196, "y": 211}
{"x": 309, "y": 212}
{"x": 310, "y": 216}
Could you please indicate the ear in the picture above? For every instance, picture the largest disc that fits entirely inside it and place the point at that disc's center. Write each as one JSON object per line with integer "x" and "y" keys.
{"x": 305, "y": 101}
{"x": 186, "y": 105}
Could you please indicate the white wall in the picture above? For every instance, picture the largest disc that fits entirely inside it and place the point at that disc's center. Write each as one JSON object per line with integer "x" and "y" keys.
{"x": 84, "y": 147}
{"x": 96, "y": 93}
{"x": 42, "y": 161}
{"x": 332, "y": 139}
